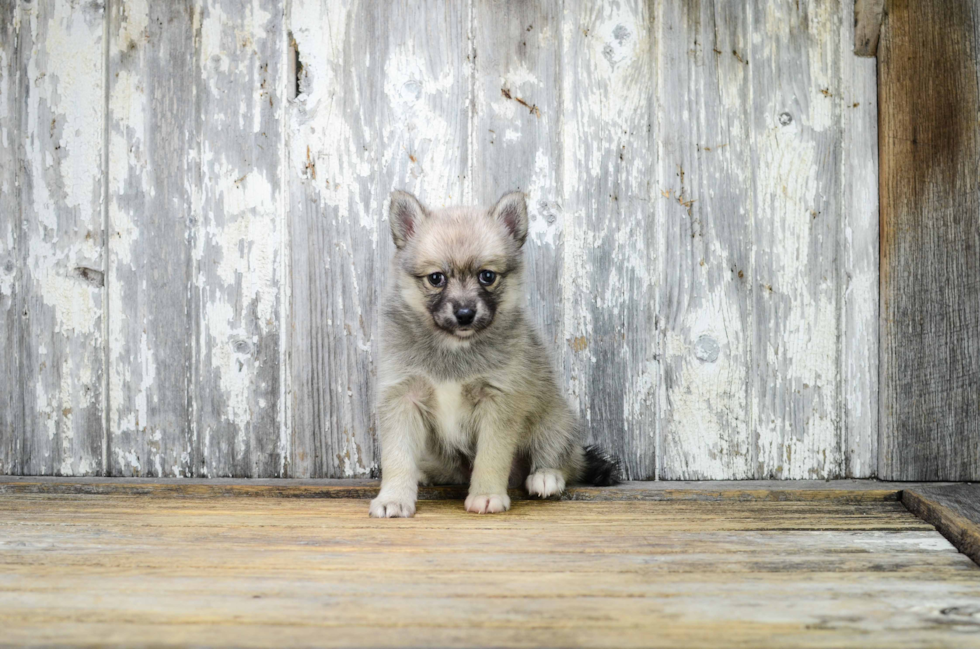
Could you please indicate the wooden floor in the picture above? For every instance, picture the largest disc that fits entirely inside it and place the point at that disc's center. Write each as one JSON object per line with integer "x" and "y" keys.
{"x": 244, "y": 571}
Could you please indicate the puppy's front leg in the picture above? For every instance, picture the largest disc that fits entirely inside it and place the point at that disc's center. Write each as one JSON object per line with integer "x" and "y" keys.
{"x": 402, "y": 432}
{"x": 495, "y": 447}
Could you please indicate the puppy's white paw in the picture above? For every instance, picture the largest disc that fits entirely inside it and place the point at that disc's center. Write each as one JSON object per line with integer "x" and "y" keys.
{"x": 487, "y": 503}
{"x": 388, "y": 507}
{"x": 545, "y": 483}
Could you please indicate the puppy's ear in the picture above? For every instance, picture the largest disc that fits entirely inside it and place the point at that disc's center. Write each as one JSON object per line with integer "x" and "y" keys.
{"x": 511, "y": 210}
{"x": 404, "y": 216}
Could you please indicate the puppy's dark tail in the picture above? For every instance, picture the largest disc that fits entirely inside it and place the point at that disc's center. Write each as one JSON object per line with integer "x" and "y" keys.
{"x": 601, "y": 469}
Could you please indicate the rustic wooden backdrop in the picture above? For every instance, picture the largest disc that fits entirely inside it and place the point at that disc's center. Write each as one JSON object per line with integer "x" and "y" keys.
{"x": 193, "y": 234}
{"x": 929, "y": 63}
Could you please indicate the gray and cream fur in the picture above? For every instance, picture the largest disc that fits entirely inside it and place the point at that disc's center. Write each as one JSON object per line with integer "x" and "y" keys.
{"x": 467, "y": 391}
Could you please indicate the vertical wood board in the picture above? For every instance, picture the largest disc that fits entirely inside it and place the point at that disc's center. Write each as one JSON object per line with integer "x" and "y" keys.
{"x": 517, "y": 142}
{"x": 702, "y": 256}
{"x": 858, "y": 259}
{"x": 930, "y": 241}
{"x": 334, "y": 210}
{"x": 12, "y": 323}
{"x": 704, "y": 210}
{"x": 610, "y": 230}
{"x": 153, "y": 172}
{"x": 55, "y": 276}
{"x": 866, "y": 24}
{"x": 795, "y": 68}
{"x": 238, "y": 239}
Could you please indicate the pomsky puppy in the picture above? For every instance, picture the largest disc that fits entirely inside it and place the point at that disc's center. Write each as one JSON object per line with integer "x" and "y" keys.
{"x": 466, "y": 389}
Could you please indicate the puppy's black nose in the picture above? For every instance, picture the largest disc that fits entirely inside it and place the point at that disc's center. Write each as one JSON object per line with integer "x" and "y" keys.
{"x": 465, "y": 316}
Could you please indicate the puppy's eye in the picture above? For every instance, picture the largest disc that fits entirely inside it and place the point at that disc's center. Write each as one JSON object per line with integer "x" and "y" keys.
{"x": 436, "y": 279}
{"x": 487, "y": 277}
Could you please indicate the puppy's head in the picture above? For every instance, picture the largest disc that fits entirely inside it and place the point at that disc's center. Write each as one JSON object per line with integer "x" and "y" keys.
{"x": 459, "y": 268}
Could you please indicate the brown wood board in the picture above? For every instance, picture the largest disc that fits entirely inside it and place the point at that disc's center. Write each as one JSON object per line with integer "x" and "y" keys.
{"x": 112, "y": 570}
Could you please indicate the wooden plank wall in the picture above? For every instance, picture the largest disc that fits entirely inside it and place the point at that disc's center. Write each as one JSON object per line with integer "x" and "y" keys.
{"x": 12, "y": 329}
{"x": 52, "y": 256}
{"x": 194, "y": 224}
{"x": 930, "y": 240}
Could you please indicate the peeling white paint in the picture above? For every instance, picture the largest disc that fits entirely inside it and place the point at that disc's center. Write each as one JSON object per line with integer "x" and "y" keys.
{"x": 130, "y": 459}
{"x": 60, "y": 235}
{"x": 545, "y": 225}
{"x": 420, "y": 131}
{"x": 148, "y": 371}
{"x": 706, "y": 408}
{"x": 232, "y": 365}
{"x": 607, "y": 67}
{"x": 352, "y": 464}
{"x": 247, "y": 244}
{"x": 321, "y": 132}
{"x": 594, "y": 181}
{"x": 71, "y": 81}
{"x": 797, "y": 422}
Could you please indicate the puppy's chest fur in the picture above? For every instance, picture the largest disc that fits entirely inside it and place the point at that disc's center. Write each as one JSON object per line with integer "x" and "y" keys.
{"x": 452, "y": 410}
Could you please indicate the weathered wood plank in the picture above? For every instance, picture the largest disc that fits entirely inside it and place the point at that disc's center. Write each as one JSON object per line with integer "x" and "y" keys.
{"x": 335, "y": 204}
{"x": 610, "y": 239}
{"x": 527, "y": 576}
{"x": 858, "y": 259}
{"x": 953, "y": 509}
{"x": 348, "y": 514}
{"x": 58, "y": 341}
{"x": 194, "y": 334}
{"x": 425, "y": 111}
{"x": 739, "y": 490}
{"x": 794, "y": 67}
{"x": 12, "y": 324}
{"x": 867, "y": 16}
{"x": 301, "y": 572}
{"x": 516, "y": 139}
{"x": 474, "y": 624}
{"x": 648, "y": 628}
{"x": 153, "y": 185}
{"x": 238, "y": 238}
{"x": 681, "y": 369}
{"x": 930, "y": 241}
{"x": 705, "y": 176}
{"x": 900, "y": 554}
{"x": 424, "y": 116}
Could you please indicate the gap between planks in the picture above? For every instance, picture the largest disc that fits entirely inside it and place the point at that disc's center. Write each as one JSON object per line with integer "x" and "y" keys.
{"x": 737, "y": 490}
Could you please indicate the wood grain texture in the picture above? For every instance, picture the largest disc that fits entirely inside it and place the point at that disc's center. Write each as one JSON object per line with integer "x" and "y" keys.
{"x": 704, "y": 327}
{"x": 705, "y": 216}
{"x": 953, "y": 509}
{"x": 794, "y": 278}
{"x": 55, "y": 360}
{"x": 238, "y": 239}
{"x": 153, "y": 185}
{"x": 424, "y": 114}
{"x": 12, "y": 327}
{"x": 851, "y": 491}
{"x": 335, "y": 205}
{"x": 249, "y": 572}
{"x": 516, "y": 140}
{"x": 930, "y": 242}
{"x": 396, "y": 99}
{"x": 610, "y": 240}
{"x": 759, "y": 380}
{"x": 858, "y": 260}
{"x": 195, "y": 117}
{"x": 867, "y": 26}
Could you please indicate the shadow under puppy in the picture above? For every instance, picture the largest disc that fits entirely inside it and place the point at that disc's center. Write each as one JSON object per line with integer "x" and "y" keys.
{"x": 466, "y": 389}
